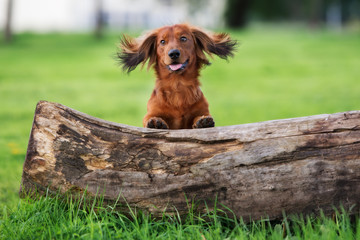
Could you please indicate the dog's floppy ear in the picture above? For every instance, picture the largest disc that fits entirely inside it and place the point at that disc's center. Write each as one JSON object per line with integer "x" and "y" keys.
{"x": 132, "y": 51}
{"x": 219, "y": 44}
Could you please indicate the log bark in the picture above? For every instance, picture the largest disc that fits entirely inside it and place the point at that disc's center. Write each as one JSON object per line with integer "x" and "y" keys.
{"x": 298, "y": 165}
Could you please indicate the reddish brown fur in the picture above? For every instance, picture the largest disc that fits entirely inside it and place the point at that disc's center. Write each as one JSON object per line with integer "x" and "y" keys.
{"x": 176, "y": 101}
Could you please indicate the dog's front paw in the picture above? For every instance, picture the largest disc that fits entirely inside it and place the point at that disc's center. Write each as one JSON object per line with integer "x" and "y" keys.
{"x": 204, "y": 122}
{"x": 156, "y": 122}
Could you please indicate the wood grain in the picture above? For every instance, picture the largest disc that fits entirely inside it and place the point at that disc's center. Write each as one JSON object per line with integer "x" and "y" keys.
{"x": 298, "y": 165}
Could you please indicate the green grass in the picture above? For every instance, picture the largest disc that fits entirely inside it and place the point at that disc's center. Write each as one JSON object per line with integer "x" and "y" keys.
{"x": 276, "y": 73}
{"x": 53, "y": 218}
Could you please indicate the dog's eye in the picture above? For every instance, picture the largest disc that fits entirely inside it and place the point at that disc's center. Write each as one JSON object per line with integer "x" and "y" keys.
{"x": 162, "y": 42}
{"x": 183, "y": 39}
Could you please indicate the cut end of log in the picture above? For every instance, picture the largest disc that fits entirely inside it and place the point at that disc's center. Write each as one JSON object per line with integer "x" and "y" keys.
{"x": 297, "y": 165}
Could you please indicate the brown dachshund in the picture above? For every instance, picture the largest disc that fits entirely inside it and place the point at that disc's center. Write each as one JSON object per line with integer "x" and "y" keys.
{"x": 177, "y": 53}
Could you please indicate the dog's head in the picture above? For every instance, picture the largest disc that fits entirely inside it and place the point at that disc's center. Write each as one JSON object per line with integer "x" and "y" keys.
{"x": 174, "y": 48}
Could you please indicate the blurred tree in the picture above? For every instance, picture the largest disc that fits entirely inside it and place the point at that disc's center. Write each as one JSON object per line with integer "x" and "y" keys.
{"x": 271, "y": 10}
{"x": 8, "y": 31}
{"x": 236, "y": 13}
{"x": 333, "y": 13}
{"x": 297, "y": 9}
{"x": 316, "y": 9}
{"x": 99, "y": 19}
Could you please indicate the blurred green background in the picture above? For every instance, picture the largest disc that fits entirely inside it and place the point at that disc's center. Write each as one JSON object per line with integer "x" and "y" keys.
{"x": 286, "y": 66}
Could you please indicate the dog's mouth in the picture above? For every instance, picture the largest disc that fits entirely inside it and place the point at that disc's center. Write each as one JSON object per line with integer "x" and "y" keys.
{"x": 175, "y": 67}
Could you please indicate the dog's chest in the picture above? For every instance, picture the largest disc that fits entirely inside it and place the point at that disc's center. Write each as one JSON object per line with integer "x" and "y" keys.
{"x": 181, "y": 96}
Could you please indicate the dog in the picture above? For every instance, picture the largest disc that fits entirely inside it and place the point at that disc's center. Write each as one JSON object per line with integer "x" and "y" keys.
{"x": 177, "y": 54}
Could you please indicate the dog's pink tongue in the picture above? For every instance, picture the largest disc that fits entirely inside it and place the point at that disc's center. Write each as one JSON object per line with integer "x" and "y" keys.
{"x": 175, "y": 67}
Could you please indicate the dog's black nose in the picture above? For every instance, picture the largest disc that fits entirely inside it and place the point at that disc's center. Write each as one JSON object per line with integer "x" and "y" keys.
{"x": 174, "y": 54}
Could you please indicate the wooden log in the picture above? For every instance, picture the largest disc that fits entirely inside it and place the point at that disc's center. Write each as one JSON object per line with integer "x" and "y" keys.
{"x": 261, "y": 169}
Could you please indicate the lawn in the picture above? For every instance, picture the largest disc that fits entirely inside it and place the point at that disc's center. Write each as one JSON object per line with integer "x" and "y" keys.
{"x": 277, "y": 72}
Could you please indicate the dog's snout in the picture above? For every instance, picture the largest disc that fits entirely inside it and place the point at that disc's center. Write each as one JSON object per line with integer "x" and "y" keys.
{"x": 174, "y": 53}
